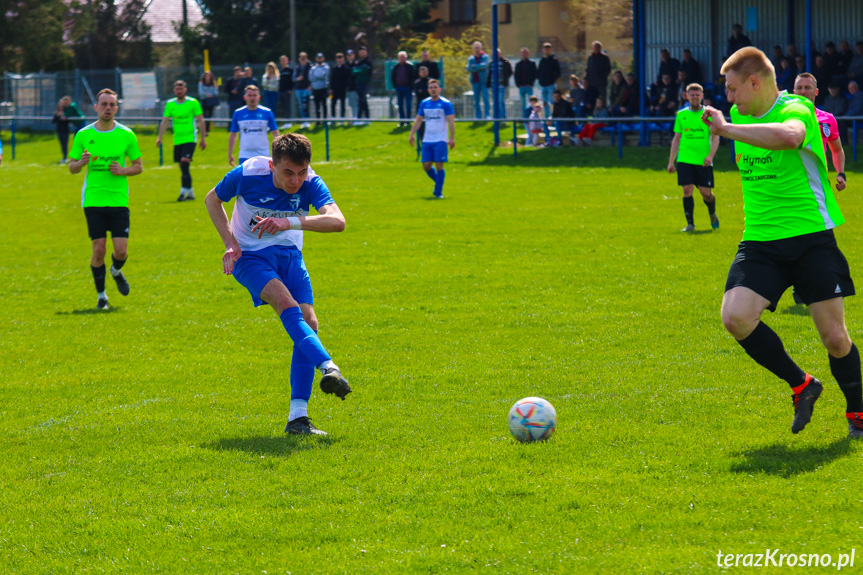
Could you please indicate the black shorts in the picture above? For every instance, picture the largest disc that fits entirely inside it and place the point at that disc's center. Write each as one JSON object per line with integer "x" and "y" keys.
{"x": 184, "y": 151}
{"x": 692, "y": 175}
{"x": 100, "y": 221}
{"x": 812, "y": 263}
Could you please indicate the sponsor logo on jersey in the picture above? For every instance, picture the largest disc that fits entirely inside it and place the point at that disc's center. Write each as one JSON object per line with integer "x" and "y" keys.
{"x": 753, "y": 160}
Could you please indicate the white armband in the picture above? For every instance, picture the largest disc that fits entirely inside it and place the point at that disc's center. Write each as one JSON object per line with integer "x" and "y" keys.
{"x": 296, "y": 224}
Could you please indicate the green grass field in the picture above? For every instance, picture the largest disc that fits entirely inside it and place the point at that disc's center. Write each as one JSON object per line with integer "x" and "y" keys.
{"x": 149, "y": 438}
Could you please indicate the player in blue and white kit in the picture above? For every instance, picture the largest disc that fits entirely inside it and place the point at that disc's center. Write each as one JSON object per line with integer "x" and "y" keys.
{"x": 439, "y": 116}
{"x": 251, "y": 122}
{"x": 264, "y": 242}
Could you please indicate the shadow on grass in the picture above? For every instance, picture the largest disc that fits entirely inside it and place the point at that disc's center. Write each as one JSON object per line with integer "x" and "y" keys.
{"x": 90, "y": 311}
{"x": 282, "y": 446}
{"x": 796, "y": 309}
{"x": 783, "y": 462}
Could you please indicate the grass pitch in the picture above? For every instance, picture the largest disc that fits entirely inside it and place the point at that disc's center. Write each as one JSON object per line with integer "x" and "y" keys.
{"x": 149, "y": 438}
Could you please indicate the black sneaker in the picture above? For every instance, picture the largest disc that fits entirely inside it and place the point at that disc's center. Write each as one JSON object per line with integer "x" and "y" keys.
{"x": 122, "y": 284}
{"x": 302, "y": 426}
{"x": 182, "y": 198}
{"x": 714, "y": 222}
{"x": 855, "y": 425}
{"x": 102, "y": 303}
{"x": 333, "y": 382}
{"x": 804, "y": 402}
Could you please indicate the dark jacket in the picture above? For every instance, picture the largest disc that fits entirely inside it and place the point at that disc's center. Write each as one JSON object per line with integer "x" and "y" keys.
{"x": 598, "y": 69}
{"x": 303, "y": 71}
{"x": 548, "y": 71}
{"x": 670, "y": 67}
{"x": 286, "y": 79}
{"x": 525, "y": 73}
{"x": 421, "y": 88}
{"x": 234, "y": 88}
{"x": 408, "y": 76}
{"x": 362, "y": 72}
{"x": 735, "y": 44}
{"x": 340, "y": 78}
{"x": 693, "y": 70}
{"x": 434, "y": 69}
{"x": 562, "y": 109}
{"x": 504, "y": 73}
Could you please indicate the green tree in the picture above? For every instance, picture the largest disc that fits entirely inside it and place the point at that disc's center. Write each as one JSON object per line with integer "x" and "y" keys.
{"x": 454, "y": 51}
{"x": 107, "y": 36}
{"x": 31, "y": 35}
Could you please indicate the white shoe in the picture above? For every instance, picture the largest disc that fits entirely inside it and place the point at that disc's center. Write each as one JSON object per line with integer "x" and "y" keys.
{"x": 286, "y": 126}
{"x": 306, "y": 126}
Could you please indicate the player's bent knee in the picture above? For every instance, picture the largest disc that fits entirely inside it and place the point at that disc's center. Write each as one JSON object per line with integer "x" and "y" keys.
{"x": 837, "y": 342}
{"x": 738, "y": 324}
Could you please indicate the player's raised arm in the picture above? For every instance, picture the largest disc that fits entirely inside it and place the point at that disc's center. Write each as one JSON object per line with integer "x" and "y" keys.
{"x": 787, "y": 135}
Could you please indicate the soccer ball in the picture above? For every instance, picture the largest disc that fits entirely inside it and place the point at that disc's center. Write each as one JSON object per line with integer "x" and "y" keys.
{"x": 532, "y": 419}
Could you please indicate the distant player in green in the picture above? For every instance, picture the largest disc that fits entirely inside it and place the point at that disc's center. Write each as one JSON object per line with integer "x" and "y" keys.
{"x": 694, "y": 148}
{"x": 103, "y": 147}
{"x": 788, "y": 241}
{"x": 188, "y": 121}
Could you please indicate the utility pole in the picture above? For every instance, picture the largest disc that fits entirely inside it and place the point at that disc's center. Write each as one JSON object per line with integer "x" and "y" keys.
{"x": 293, "y": 31}
{"x": 184, "y": 29}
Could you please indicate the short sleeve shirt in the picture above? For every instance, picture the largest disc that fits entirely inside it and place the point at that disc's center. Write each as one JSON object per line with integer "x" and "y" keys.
{"x": 253, "y": 127}
{"x": 183, "y": 118}
{"x": 252, "y": 184}
{"x": 102, "y": 188}
{"x": 434, "y": 112}
{"x": 694, "y": 137}
{"x": 786, "y": 193}
{"x": 828, "y": 126}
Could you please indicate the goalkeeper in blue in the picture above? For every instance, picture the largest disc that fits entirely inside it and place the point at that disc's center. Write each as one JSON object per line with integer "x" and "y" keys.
{"x": 439, "y": 117}
{"x": 263, "y": 250}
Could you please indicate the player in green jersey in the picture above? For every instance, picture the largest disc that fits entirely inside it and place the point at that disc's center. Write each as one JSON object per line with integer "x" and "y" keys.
{"x": 188, "y": 121}
{"x": 788, "y": 241}
{"x": 694, "y": 147}
{"x": 103, "y": 147}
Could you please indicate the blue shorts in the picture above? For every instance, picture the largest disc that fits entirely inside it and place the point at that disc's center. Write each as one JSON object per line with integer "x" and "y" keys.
{"x": 254, "y": 270}
{"x": 435, "y": 152}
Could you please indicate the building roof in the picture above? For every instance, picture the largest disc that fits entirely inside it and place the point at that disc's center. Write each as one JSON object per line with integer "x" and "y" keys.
{"x": 162, "y": 15}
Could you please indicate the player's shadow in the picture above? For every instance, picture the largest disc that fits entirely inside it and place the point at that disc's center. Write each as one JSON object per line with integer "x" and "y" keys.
{"x": 282, "y": 446}
{"x": 781, "y": 461}
{"x": 797, "y": 309}
{"x": 90, "y": 311}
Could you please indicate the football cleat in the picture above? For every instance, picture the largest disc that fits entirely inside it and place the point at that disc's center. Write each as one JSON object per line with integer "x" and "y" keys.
{"x": 689, "y": 228}
{"x": 333, "y": 382}
{"x": 122, "y": 284}
{"x": 804, "y": 402}
{"x": 302, "y": 426}
{"x": 102, "y": 303}
{"x": 855, "y": 425}
{"x": 714, "y": 222}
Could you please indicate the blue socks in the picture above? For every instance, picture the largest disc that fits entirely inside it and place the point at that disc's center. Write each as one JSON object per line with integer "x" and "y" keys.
{"x": 302, "y": 376}
{"x": 304, "y": 338}
{"x": 432, "y": 174}
{"x": 438, "y": 185}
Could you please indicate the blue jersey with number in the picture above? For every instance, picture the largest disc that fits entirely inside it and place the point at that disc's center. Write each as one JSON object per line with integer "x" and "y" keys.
{"x": 434, "y": 112}
{"x": 252, "y": 184}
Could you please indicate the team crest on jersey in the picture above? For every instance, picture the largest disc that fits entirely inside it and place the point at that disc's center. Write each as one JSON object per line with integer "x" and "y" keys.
{"x": 825, "y": 129}
{"x": 295, "y": 203}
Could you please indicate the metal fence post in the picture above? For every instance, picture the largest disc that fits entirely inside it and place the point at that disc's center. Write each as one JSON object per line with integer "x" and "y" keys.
{"x": 327, "y": 136}
{"x": 515, "y": 139}
{"x": 13, "y": 138}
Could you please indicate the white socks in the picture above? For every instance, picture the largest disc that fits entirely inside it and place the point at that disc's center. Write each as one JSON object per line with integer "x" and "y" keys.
{"x": 299, "y": 408}
{"x": 327, "y": 365}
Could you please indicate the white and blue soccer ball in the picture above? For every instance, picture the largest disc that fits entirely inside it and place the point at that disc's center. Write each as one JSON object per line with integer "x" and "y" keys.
{"x": 532, "y": 419}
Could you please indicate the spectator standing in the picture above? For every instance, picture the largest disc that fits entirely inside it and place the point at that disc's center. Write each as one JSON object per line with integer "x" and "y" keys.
{"x": 251, "y": 123}
{"x": 785, "y": 75}
{"x": 737, "y": 40}
{"x": 319, "y": 79}
{"x": 504, "y": 73}
{"x": 402, "y": 78}
{"x": 667, "y": 65}
{"x": 548, "y": 72}
{"x": 478, "y": 65}
{"x": 270, "y": 86}
{"x": 777, "y": 57}
{"x": 431, "y": 65}
{"x": 598, "y": 69}
{"x": 208, "y": 95}
{"x": 845, "y": 57}
{"x": 831, "y": 59}
{"x": 249, "y": 77}
{"x": 691, "y": 66}
{"x": 525, "y": 77}
{"x": 66, "y": 111}
{"x": 421, "y": 86}
{"x": 353, "y": 101}
{"x": 234, "y": 88}
{"x": 286, "y": 87}
{"x": 822, "y": 78}
{"x": 301, "y": 87}
{"x": 362, "y": 74}
{"x": 855, "y": 68}
{"x": 340, "y": 77}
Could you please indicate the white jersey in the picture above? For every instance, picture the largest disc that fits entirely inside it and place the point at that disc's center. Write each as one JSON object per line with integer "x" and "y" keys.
{"x": 254, "y": 127}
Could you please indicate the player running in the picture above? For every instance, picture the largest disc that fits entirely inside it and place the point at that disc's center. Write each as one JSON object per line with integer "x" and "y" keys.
{"x": 439, "y": 116}
{"x": 264, "y": 242}
{"x": 694, "y": 147}
{"x": 103, "y": 147}
{"x": 790, "y": 215}
{"x": 187, "y": 119}
{"x": 251, "y": 123}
